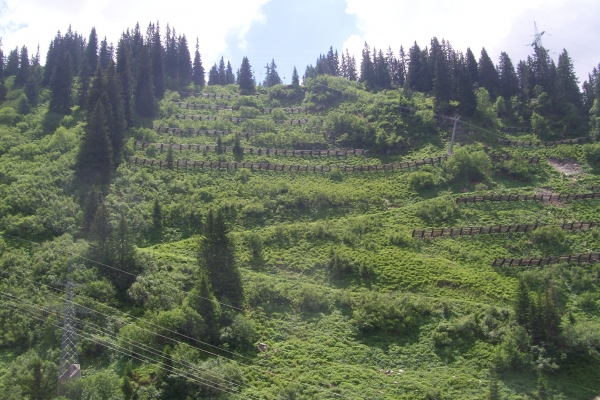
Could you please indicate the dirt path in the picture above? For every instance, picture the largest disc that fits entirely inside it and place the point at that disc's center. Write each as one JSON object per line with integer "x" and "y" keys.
{"x": 566, "y": 166}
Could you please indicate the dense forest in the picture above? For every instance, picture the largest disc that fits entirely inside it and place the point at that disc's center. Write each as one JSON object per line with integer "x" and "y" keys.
{"x": 183, "y": 232}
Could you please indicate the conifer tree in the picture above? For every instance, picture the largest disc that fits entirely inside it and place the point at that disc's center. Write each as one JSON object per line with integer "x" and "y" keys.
{"x": 367, "y": 71}
{"x": 117, "y": 124}
{"x": 124, "y": 256}
{"x": 472, "y": 67}
{"x": 158, "y": 64}
{"x": 198, "y": 74}
{"x": 32, "y": 85}
{"x": 184, "y": 62}
{"x": 413, "y": 75}
{"x": 441, "y": 84}
{"x": 12, "y": 63}
{"x": 216, "y": 255}
{"x": 509, "y": 84}
{"x": 202, "y": 300}
{"x": 125, "y": 79}
{"x": 295, "y": 78}
{"x": 465, "y": 93}
{"x": 93, "y": 164}
{"x": 522, "y": 305}
{"x": 488, "y": 75}
{"x": 170, "y": 155}
{"x": 2, "y": 62}
{"x": 567, "y": 85}
{"x": 24, "y": 68}
{"x": 551, "y": 316}
{"x": 246, "y": 77}
{"x": 144, "y": 88}
{"x": 272, "y": 77}
{"x": 221, "y": 71}
{"x": 213, "y": 76}
{"x": 352, "y": 72}
{"x": 157, "y": 218}
{"x": 238, "y": 151}
{"x": 105, "y": 54}
{"x": 95, "y": 91}
{"x": 89, "y": 66}
{"x": 384, "y": 79}
{"x": 99, "y": 235}
{"x": 229, "y": 77}
{"x": 61, "y": 84}
{"x": 171, "y": 53}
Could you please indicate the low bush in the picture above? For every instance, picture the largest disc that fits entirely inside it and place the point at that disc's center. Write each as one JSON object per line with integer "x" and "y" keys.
{"x": 421, "y": 180}
{"x": 551, "y": 236}
{"x": 470, "y": 163}
{"x": 312, "y": 299}
{"x": 437, "y": 210}
{"x": 516, "y": 168}
{"x": 240, "y": 334}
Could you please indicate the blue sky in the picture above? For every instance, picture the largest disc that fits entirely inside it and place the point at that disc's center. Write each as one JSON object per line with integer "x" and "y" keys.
{"x": 295, "y": 32}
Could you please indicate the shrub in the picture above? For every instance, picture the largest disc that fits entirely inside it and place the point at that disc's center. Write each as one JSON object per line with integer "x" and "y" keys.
{"x": 514, "y": 351}
{"x": 63, "y": 140}
{"x": 421, "y": 180}
{"x": 313, "y": 299}
{"x": 469, "y": 162}
{"x": 592, "y": 152}
{"x": 248, "y": 112}
{"x": 517, "y": 168}
{"x": 400, "y": 239}
{"x": 278, "y": 114}
{"x": 552, "y": 236}
{"x": 9, "y": 116}
{"x": 23, "y": 106}
{"x": 336, "y": 175}
{"x": 541, "y": 127}
{"x": 240, "y": 334}
{"x": 438, "y": 209}
{"x": 464, "y": 327}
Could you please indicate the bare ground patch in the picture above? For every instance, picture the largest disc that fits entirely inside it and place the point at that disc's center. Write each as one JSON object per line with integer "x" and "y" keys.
{"x": 567, "y": 166}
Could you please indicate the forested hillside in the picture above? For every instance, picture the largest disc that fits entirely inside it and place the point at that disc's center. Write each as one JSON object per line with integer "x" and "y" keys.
{"x": 184, "y": 232}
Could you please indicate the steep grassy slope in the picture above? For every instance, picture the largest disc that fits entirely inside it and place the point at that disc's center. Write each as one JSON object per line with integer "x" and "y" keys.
{"x": 332, "y": 277}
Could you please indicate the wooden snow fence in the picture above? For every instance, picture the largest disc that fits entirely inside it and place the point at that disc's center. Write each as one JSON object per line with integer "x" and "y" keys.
{"x": 289, "y": 110}
{"x": 200, "y": 132}
{"x": 215, "y": 96}
{"x": 281, "y": 167}
{"x": 588, "y": 258}
{"x": 253, "y": 150}
{"x": 520, "y": 143}
{"x": 509, "y": 129}
{"x": 200, "y": 106}
{"x": 208, "y": 118}
{"x": 291, "y": 122}
{"x": 526, "y": 197}
{"x": 485, "y": 230}
{"x": 503, "y": 157}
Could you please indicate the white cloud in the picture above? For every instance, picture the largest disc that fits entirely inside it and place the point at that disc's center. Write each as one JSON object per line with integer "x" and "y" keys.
{"x": 496, "y": 25}
{"x": 211, "y": 21}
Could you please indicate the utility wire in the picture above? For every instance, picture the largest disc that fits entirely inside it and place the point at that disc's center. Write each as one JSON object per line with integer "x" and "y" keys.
{"x": 197, "y": 379}
{"x": 576, "y": 44}
{"x": 196, "y": 348}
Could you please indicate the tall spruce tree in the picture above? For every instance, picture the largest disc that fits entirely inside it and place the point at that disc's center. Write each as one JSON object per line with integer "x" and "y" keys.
{"x": 202, "y": 300}
{"x": 125, "y": 79}
{"x": 465, "y": 93}
{"x": 213, "y": 75}
{"x": 522, "y": 304}
{"x": 229, "y": 77}
{"x": 415, "y": 69}
{"x": 295, "y": 78}
{"x": 158, "y": 64}
{"x": 89, "y": 66}
{"x": 509, "y": 83}
{"x": 367, "y": 70}
{"x": 566, "y": 82}
{"x": 61, "y": 83}
{"x": 246, "y": 77}
{"x": 352, "y": 72}
{"x": 198, "y": 73}
{"x": 472, "y": 68}
{"x": 222, "y": 74}
{"x": 117, "y": 124}
{"x": 24, "y": 68}
{"x": 144, "y": 88}
{"x": 488, "y": 75}
{"x": 217, "y": 257}
{"x": 272, "y": 77}
{"x": 401, "y": 78}
{"x": 99, "y": 235}
{"x": 105, "y": 53}
{"x": 441, "y": 84}
{"x": 93, "y": 163}
{"x": 12, "y": 63}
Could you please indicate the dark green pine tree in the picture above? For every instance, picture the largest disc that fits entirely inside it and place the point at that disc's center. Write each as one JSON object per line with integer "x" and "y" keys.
{"x": 158, "y": 64}
{"x": 551, "y": 316}
{"x": 246, "y": 77}
{"x": 12, "y": 63}
{"x": 127, "y": 386}
{"x": 198, "y": 73}
{"x": 472, "y": 68}
{"x": 123, "y": 252}
{"x": 352, "y": 75}
{"x": 105, "y": 54}
{"x": 33, "y": 83}
{"x": 367, "y": 69}
{"x": 89, "y": 66}
{"x": 465, "y": 92}
{"x": 536, "y": 326}
{"x": 272, "y": 77}
{"x": 202, "y": 300}
{"x": 488, "y": 75}
{"x": 295, "y": 78}
{"x": 144, "y": 87}
{"x": 24, "y": 68}
{"x": 99, "y": 235}
{"x": 61, "y": 83}
{"x": 170, "y": 384}
{"x": 170, "y": 54}
{"x": 441, "y": 83}
{"x": 384, "y": 79}
{"x": 216, "y": 256}
{"x": 125, "y": 79}
{"x": 2, "y": 62}
{"x": 229, "y": 77}
{"x": 221, "y": 71}
{"x": 238, "y": 150}
{"x": 213, "y": 76}
{"x": 95, "y": 91}
{"x": 157, "y": 219}
{"x": 93, "y": 164}
{"x": 184, "y": 62}
{"x": 509, "y": 83}
{"x": 567, "y": 85}
{"x": 415, "y": 69}
{"x": 117, "y": 124}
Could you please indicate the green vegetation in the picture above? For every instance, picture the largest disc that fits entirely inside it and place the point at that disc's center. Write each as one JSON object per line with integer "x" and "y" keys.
{"x": 284, "y": 285}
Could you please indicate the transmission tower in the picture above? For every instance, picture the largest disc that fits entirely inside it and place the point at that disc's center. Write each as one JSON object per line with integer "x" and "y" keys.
{"x": 69, "y": 367}
{"x": 537, "y": 37}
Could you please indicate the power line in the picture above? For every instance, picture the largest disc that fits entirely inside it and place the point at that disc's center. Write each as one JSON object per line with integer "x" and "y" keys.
{"x": 176, "y": 371}
{"x": 576, "y": 44}
{"x": 186, "y": 344}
